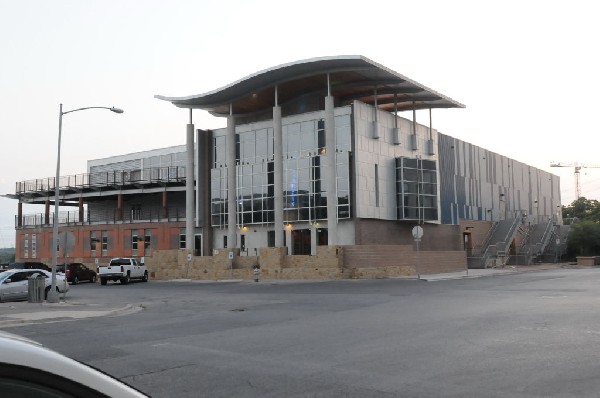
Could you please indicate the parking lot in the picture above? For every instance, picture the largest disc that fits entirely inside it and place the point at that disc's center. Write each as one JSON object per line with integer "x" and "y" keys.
{"x": 518, "y": 335}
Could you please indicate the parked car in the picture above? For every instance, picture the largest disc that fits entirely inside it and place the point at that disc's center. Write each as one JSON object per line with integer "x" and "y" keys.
{"x": 29, "y": 265}
{"x": 122, "y": 269}
{"x": 77, "y": 272}
{"x": 28, "y": 369}
{"x": 14, "y": 284}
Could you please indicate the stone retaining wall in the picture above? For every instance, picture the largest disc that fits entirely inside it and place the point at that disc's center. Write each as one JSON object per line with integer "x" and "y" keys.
{"x": 330, "y": 262}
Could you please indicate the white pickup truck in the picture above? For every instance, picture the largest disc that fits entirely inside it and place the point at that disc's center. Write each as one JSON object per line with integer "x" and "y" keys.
{"x": 122, "y": 269}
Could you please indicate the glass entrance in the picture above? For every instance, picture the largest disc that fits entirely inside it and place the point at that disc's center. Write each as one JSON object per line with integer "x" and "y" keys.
{"x": 198, "y": 245}
{"x": 301, "y": 242}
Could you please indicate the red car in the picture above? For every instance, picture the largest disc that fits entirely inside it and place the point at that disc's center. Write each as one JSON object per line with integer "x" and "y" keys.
{"x": 77, "y": 272}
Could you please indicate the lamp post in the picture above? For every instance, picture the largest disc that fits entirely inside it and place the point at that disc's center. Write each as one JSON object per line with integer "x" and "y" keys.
{"x": 53, "y": 294}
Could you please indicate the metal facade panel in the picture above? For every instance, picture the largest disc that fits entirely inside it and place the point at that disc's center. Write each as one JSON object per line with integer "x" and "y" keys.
{"x": 484, "y": 185}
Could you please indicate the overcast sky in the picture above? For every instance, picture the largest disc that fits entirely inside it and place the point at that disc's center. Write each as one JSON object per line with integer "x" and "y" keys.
{"x": 527, "y": 72}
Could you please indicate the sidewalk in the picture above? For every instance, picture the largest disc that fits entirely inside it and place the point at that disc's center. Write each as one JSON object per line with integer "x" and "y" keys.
{"x": 21, "y": 313}
{"x": 508, "y": 269}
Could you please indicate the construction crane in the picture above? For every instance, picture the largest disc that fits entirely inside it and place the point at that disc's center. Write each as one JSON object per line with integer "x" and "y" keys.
{"x": 577, "y": 167}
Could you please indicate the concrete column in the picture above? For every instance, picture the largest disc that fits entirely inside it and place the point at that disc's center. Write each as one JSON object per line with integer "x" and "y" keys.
{"x": 20, "y": 215}
{"x": 46, "y": 211}
{"x": 120, "y": 206}
{"x": 330, "y": 172}
{"x": 189, "y": 187}
{"x": 165, "y": 211}
{"x": 231, "y": 178}
{"x": 203, "y": 194}
{"x": 288, "y": 241}
{"x": 278, "y": 175}
{"x": 313, "y": 240}
{"x": 81, "y": 209}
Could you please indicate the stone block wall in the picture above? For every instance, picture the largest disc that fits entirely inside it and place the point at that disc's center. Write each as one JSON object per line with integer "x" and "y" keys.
{"x": 330, "y": 262}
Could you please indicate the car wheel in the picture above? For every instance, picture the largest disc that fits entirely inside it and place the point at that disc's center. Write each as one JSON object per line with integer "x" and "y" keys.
{"x": 75, "y": 280}
{"x": 93, "y": 279}
{"x": 145, "y": 277}
{"x": 125, "y": 280}
{"x": 103, "y": 281}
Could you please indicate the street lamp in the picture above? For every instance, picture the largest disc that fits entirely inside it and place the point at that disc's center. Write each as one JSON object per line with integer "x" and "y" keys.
{"x": 53, "y": 294}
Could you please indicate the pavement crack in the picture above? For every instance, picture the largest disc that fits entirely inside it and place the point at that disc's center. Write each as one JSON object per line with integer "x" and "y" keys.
{"x": 134, "y": 376}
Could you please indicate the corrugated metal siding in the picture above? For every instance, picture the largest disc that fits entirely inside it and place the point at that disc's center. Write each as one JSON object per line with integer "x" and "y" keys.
{"x": 447, "y": 171}
{"x": 482, "y": 185}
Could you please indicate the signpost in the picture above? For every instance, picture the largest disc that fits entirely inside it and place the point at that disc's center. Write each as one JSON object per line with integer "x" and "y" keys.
{"x": 189, "y": 261}
{"x": 417, "y": 233}
{"x": 230, "y": 257}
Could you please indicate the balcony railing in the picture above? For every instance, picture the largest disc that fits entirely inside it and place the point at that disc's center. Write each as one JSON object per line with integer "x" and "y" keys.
{"x": 153, "y": 175}
{"x": 112, "y": 216}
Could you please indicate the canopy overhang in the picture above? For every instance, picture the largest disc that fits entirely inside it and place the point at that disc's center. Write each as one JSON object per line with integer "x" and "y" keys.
{"x": 351, "y": 77}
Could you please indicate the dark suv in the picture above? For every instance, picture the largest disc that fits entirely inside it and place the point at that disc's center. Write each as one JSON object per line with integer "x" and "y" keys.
{"x": 77, "y": 272}
{"x": 29, "y": 265}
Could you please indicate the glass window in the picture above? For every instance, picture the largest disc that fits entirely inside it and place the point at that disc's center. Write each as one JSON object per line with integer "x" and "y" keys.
{"x": 104, "y": 240}
{"x": 220, "y": 148}
{"x": 26, "y": 246}
{"x": 416, "y": 186}
{"x": 134, "y": 242}
{"x": 33, "y": 245}
{"x": 302, "y": 190}
{"x": 182, "y": 238}
{"x": 147, "y": 241}
{"x": 93, "y": 241}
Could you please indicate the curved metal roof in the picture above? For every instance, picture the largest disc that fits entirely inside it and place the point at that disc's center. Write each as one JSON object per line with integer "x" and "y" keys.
{"x": 352, "y": 77}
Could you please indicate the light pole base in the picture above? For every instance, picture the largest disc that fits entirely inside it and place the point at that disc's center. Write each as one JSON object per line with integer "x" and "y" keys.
{"x": 52, "y": 296}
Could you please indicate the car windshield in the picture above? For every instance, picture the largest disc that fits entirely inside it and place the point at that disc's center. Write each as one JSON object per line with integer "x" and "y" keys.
{"x": 4, "y": 275}
{"x": 120, "y": 261}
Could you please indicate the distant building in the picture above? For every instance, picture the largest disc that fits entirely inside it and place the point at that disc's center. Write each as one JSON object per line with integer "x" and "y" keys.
{"x": 322, "y": 158}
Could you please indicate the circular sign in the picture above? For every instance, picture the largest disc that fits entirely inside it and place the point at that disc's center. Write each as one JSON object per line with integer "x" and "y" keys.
{"x": 417, "y": 232}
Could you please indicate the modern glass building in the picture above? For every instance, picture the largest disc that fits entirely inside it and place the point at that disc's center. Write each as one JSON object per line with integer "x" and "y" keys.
{"x": 319, "y": 152}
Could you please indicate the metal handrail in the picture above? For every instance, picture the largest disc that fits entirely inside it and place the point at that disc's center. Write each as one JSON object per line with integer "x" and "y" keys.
{"x": 101, "y": 179}
{"x": 112, "y": 216}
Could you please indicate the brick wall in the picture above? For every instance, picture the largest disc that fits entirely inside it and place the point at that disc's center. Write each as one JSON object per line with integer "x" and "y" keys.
{"x": 368, "y": 261}
{"x": 381, "y": 232}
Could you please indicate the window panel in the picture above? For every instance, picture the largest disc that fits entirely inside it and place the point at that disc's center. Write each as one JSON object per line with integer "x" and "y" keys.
{"x": 303, "y": 196}
{"x": 416, "y": 189}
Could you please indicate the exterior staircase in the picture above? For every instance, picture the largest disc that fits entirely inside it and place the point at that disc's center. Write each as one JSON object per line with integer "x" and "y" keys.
{"x": 495, "y": 250}
{"x": 535, "y": 242}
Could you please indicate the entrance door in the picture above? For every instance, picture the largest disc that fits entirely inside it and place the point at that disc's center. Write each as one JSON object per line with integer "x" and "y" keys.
{"x": 301, "y": 242}
{"x": 468, "y": 243}
{"x": 198, "y": 245}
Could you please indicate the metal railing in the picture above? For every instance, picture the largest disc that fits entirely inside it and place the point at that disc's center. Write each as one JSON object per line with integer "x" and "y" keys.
{"x": 500, "y": 242}
{"x": 151, "y": 175}
{"x": 109, "y": 216}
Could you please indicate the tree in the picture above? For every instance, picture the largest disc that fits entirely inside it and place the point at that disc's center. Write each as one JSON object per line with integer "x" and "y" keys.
{"x": 584, "y": 239}
{"x": 582, "y": 209}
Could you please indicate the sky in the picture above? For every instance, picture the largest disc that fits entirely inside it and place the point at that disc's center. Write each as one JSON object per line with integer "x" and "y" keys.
{"x": 527, "y": 72}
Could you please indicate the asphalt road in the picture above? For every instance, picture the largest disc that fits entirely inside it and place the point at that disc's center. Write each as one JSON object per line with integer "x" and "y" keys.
{"x": 533, "y": 334}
